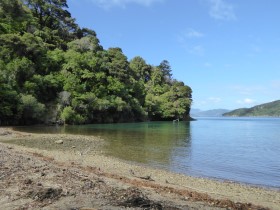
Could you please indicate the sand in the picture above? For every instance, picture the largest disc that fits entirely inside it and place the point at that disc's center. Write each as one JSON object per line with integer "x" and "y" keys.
{"x": 72, "y": 172}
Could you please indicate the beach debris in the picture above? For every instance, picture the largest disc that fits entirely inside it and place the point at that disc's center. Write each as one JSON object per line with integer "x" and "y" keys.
{"x": 148, "y": 177}
{"x": 133, "y": 198}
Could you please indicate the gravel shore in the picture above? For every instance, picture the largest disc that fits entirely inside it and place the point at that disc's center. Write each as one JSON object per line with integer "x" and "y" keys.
{"x": 50, "y": 171}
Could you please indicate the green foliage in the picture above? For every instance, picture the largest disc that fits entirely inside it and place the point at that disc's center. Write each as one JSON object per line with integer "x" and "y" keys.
{"x": 89, "y": 43}
{"x": 167, "y": 100}
{"x": 54, "y": 23}
{"x": 44, "y": 87}
{"x": 20, "y": 69}
{"x": 14, "y": 16}
{"x": 141, "y": 70}
{"x": 165, "y": 68}
{"x": 50, "y": 69}
{"x": 69, "y": 116}
{"x": 32, "y": 110}
{"x": 9, "y": 104}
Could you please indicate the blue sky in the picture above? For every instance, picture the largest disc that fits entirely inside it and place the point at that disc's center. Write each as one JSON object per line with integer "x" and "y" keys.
{"x": 227, "y": 51}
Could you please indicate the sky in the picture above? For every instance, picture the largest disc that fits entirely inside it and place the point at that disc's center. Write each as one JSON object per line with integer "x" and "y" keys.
{"x": 227, "y": 51}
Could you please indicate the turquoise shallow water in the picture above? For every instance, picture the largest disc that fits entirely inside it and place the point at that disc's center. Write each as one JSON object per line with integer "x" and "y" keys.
{"x": 245, "y": 150}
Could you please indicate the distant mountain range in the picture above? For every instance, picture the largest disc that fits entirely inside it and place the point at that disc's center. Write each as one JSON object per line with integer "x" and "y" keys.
{"x": 271, "y": 109}
{"x": 208, "y": 113}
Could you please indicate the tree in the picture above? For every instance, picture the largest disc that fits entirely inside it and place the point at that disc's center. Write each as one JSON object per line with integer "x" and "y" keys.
{"x": 176, "y": 102}
{"x": 32, "y": 110}
{"x": 44, "y": 88}
{"x": 9, "y": 104}
{"x": 21, "y": 69}
{"x": 69, "y": 116}
{"x": 54, "y": 23}
{"x": 141, "y": 70}
{"x": 80, "y": 33}
{"x": 118, "y": 65}
{"x": 15, "y": 46}
{"x": 84, "y": 44}
{"x": 14, "y": 17}
{"x": 165, "y": 67}
{"x": 50, "y": 68}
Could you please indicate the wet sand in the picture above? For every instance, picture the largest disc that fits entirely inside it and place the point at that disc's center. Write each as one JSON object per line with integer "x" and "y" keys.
{"x": 50, "y": 171}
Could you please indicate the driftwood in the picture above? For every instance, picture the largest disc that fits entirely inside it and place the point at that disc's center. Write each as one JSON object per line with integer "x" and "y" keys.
{"x": 148, "y": 177}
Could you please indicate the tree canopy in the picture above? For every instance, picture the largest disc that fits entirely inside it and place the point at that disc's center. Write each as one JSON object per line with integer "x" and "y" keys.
{"x": 52, "y": 70}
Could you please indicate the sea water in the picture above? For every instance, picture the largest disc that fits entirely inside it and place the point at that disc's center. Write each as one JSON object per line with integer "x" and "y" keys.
{"x": 244, "y": 150}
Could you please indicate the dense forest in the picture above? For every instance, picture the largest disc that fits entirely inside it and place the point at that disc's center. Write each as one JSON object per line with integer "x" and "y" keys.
{"x": 271, "y": 109}
{"x": 51, "y": 70}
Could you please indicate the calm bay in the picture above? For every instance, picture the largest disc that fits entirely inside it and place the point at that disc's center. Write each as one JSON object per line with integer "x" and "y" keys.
{"x": 245, "y": 150}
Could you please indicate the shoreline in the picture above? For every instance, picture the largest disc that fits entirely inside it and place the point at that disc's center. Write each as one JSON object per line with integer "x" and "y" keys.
{"x": 269, "y": 187}
{"x": 161, "y": 186}
{"x": 219, "y": 180}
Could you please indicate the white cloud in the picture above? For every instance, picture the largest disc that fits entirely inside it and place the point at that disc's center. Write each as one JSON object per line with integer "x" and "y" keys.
{"x": 192, "y": 33}
{"x": 187, "y": 40}
{"x": 194, "y": 49}
{"x": 221, "y": 10}
{"x": 197, "y": 50}
{"x": 122, "y": 3}
{"x": 246, "y": 101}
{"x": 189, "y": 34}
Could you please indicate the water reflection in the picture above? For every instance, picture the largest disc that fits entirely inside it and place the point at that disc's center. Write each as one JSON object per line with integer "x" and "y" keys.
{"x": 152, "y": 143}
{"x": 156, "y": 143}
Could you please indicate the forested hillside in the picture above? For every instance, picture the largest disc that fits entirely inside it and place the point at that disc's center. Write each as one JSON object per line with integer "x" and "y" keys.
{"x": 52, "y": 70}
{"x": 271, "y": 109}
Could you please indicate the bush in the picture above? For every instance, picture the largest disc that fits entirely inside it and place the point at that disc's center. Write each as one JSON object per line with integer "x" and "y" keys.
{"x": 32, "y": 110}
{"x": 69, "y": 116}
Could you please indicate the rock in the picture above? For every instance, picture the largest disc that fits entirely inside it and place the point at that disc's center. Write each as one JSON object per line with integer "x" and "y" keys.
{"x": 41, "y": 194}
{"x": 27, "y": 181}
{"x": 88, "y": 185}
{"x": 59, "y": 142}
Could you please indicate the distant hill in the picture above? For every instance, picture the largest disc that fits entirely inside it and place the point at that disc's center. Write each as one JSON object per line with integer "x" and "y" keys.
{"x": 208, "y": 113}
{"x": 271, "y": 109}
